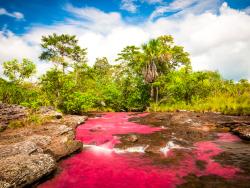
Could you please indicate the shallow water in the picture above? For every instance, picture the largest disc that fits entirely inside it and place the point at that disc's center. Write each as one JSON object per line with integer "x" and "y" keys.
{"x": 100, "y": 164}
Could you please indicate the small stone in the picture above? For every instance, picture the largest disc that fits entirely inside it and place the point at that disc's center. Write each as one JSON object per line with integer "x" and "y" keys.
{"x": 132, "y": 138}
{"x": 58, "y": 115}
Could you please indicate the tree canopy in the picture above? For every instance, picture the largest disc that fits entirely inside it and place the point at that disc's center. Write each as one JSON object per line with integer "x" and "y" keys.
{"x": 156, "y": 76}
{"x": 19, "y": 71}
{"x": 63, "y": 50}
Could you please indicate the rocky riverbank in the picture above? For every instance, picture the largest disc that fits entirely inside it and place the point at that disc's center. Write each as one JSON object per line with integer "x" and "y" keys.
{"x": 29, "y": 153}
{"x": 184, "y": 129}
{"x": 181, "y": 149}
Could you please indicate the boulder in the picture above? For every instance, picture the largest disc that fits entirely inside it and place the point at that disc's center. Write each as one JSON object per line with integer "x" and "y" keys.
{"x": 63, "y": 142}
{"x": 9, "y": 113}
{"x": 26, "y": 147}
{"x": 74, "y": 120}
{"x": 32, "y": 144}
{"x": 29, "y": 153}
{"x": 50, "y": 111}
{"x": 22, "y": 170}
{"x": 243, "y": 131}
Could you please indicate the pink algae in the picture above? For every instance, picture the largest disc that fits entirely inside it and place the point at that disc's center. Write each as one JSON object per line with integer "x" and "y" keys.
{"x": 94, "y": 167}
{"x": 205, "y": 151}
{"x": 101, "y": 131}
{"x": 227, "y": 137}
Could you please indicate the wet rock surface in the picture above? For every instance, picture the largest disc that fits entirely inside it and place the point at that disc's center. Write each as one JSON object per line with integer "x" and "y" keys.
{"x": 211, "y": 181}
{"x": 184, "y": 129}
{"x": 27, "y": 154}
{"x": 182, "y": 149}
{"x": 180, "y": 129}
{"x": 243, "y": 131}
{"x": 192, "y": 122}
{"x": 180, "y": 138}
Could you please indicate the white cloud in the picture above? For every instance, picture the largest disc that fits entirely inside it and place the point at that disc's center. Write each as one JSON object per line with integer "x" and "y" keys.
{"x": 185, "y": 6}
{"x": 17, "y": 15}
{"x": 132, "y": 5}
{"x": 215, "y": 41}
{"x": 247, "y": 10}
{"x": 17, "y": 47}
{"x": 129, "y": 5}
{"x": 93, "y": 19}
{"x": 152, "y": 1}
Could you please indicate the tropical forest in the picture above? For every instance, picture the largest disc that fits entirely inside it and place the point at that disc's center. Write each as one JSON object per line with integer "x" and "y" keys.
{"x": 125, "y": 94}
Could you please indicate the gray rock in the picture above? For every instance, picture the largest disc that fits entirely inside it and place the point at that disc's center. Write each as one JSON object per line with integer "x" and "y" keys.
{"x": 63, "y": 142}
{"x": 25, "y": 147}
{"x": 81, "y": 120}
{"x": 40, "y": 140}
{"x": 32, "y": 144}
{"x": 10, "y": 112}
{"x": 22, "y": 170}
{"x": 50, "y": 111}
{"x": 63, "y": 129}
{"x": 27, "y": 154}
{"x": 74, "y": 120}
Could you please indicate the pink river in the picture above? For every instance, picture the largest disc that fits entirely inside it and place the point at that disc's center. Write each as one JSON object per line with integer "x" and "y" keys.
{"x": 100, "y": 165}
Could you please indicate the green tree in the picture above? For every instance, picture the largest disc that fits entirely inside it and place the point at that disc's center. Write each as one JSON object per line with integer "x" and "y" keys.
{"x": 19, "y": 71}
{"x": 134, "y": 91}
{"x": 158, "y": 56}
{"x": 63, "y": 51}
{"x": 102, "y": 66}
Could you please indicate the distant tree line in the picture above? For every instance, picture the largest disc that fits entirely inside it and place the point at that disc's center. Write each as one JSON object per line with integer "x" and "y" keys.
{"x": 156, "y": 76}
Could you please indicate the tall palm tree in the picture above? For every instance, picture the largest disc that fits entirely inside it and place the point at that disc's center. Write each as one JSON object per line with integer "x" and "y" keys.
{"x": 159, "y": 56}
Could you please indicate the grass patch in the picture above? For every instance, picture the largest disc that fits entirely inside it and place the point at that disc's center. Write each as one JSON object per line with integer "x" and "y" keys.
{"x": 33, "y": 119}
{"x": 225, "y": 104}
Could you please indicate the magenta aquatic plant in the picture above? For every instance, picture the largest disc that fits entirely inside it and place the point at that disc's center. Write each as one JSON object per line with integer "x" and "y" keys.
{"x": 99, "y": 165}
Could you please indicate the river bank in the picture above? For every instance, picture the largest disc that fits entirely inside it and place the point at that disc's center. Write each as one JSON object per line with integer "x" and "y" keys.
{"x": 182, "y": 149}
{"x": 197, "y": 148}
{"x": 31, "y": 152}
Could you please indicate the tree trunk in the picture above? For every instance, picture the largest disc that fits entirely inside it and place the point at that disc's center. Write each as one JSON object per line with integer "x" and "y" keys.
{"x": 157, "y": 95}
{"x": 152, "y": 93}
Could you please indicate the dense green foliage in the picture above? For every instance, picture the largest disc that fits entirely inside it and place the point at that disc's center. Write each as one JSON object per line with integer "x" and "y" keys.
{"x": 17, "y": 71}
{"x": 156, "y": 76}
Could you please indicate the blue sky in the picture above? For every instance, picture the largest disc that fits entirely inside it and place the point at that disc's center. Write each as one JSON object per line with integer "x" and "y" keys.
{"x": 216, "y": 33}
{"x": 48, "y": 12}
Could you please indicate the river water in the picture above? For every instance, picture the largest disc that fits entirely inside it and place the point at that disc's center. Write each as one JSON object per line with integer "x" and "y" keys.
{"x": 102, "y": 165}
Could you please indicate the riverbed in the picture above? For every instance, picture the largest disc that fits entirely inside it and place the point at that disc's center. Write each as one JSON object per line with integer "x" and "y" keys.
{"x": 127, "y": 150}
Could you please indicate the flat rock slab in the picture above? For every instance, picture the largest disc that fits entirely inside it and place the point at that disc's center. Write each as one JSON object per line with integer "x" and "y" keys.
{"x": 29, "y": 153}
{"x": 22, "y": 170}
